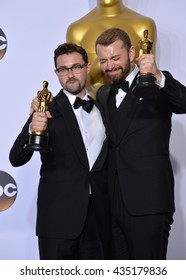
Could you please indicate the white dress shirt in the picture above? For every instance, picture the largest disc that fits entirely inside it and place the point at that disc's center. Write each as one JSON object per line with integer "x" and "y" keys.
{"x": 91, "y": 127}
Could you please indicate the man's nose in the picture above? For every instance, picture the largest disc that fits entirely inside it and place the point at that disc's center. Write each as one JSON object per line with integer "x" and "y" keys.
{"x": 70, "y": 72}
{"x": 110, "y": 64}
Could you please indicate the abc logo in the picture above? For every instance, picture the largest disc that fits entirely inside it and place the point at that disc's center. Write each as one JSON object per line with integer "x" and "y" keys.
{"x": 8, "y": 190}
{"x": 3, "y": 43}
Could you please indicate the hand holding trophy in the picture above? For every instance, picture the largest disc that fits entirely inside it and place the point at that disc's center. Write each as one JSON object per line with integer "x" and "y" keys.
{"x": 38, "y": 140}
{"x": 146, "y": 86}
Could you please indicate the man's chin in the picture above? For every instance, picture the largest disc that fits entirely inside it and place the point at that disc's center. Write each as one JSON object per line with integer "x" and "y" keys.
{"x": 74, "y": 88}
{"x": 75, "y": 92}
{"x": 115, "y": 78}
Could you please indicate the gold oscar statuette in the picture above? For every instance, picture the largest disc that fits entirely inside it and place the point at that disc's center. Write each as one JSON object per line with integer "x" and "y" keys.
{"x": 38, "y": 140}
{"x": 146, "y": 86}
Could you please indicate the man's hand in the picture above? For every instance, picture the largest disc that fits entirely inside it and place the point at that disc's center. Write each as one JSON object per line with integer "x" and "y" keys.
{"x": 35, "y": 105}
{"x": 147, "y": 64}
{"x": 39, "y": 121}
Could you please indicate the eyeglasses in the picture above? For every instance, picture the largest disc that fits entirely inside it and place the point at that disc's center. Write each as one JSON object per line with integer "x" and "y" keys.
{"x": 76, "y": 69}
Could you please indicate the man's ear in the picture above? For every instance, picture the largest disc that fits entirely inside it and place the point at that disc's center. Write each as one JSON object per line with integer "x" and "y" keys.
{"x": 132, "y": 53}
{"x": 89, "y": 65}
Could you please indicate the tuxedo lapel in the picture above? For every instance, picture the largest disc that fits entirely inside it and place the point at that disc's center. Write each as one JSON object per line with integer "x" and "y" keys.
{"x": 61, "y": 106}
{"x": 104, "y": 99}
{"x": 128, "y": 108}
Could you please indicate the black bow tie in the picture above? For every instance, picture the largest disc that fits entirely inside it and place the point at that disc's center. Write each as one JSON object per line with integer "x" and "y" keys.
{"x": 124, "y": 85}
{"x": 86, "y": 104}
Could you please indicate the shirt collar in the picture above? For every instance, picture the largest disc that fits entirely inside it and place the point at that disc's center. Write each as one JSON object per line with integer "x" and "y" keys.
{"x": 72, "y": 97}
{"x": 132, "y": 75}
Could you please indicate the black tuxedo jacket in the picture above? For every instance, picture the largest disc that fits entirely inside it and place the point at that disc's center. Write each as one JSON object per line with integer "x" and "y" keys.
{"x": 63, "y": 192}
{"x": 139, "y": 154}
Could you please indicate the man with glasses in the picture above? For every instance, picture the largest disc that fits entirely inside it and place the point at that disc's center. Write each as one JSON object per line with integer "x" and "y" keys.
{"x": 73, "y": 208}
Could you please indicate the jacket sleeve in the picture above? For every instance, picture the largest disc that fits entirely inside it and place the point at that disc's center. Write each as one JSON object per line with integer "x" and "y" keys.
{"x": 175, "y": 92}
{"x": 18, "y": 155}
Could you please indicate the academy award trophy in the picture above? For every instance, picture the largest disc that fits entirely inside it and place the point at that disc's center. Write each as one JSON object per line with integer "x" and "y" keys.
{"x": 146, "y": 86}
{"x": 38, "y": 140}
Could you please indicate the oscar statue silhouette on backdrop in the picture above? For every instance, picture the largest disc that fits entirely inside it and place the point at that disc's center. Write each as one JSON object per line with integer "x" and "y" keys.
{"x": 107, "y": 14}
{"x": 38, "y": 140}
{"x": 145, "y": 80}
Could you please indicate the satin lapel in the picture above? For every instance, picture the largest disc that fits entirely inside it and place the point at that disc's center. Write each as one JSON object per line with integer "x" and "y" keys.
{"x": 102, "y": 115}
{"x": 128, "y": 108}
{"x": 104, "y": 96}
{"x": 63, "y": 107}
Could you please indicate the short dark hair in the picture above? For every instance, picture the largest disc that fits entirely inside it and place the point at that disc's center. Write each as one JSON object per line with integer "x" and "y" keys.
{"x": 109, "y": 36}
{"x": 70, "y": 48}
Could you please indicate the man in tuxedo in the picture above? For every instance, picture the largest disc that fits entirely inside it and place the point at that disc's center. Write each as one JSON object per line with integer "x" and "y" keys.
{"x": 73, "y": 207}
{"x": 140, "y": 176}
